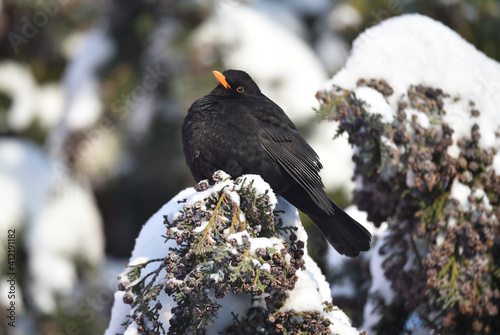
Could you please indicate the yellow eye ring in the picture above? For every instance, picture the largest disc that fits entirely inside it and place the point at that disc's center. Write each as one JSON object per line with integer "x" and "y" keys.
{"x": 240, "y": 89}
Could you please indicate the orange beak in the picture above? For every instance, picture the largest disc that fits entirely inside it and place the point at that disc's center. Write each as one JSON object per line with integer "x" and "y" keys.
{"x": 221, "y": 79}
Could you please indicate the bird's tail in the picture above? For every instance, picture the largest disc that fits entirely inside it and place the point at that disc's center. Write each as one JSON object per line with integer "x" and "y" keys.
{"x": 344, "y": 233}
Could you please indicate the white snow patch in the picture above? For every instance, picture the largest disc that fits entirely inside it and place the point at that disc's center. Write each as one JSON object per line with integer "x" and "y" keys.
{"x": 440, "y": 239}
{"x": 335, "y": 155}
{"x": 480, "y": 195}
{"x": 81, "y": 86}
{"x": 380, "y": 285}
{"x": 202, "y": 226}
{"x": 49, "y": 105}
{"x": 376, "y": 102}
{"x": 496, "y": 163}
{"x": 17, "y": 82}
{"x": 344, "y": 16}
{"x": 30, "y": 102}
{"x": 414, "y": 49}
{"x": 260, "y": 186}
{"x": 410, "y": 178}
{"x": 80, "y": 80}
{"x": 460, "y": 192}
{"x": 421, "y": 117}
{"x": 306, "y": 295}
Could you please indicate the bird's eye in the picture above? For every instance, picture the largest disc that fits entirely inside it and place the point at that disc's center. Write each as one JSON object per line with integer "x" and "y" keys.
{"x": 240, "y": 89}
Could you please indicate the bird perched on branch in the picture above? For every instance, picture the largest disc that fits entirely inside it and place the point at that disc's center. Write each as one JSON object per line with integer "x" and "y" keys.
{"x": 238, "y": 129}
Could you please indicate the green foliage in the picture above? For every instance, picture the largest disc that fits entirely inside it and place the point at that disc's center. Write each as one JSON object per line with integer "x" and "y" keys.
{"x": 450, "y": 275}
{"x": 435, "y": 211}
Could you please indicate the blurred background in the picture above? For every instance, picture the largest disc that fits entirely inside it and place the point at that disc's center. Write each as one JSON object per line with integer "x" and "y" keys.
{"x": 92, "y": 98}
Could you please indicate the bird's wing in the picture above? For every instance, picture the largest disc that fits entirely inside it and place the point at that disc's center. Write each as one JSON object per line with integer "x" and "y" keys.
{"x": 282, "y": 141}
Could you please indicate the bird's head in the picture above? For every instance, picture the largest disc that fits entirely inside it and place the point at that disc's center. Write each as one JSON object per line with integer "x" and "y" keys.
{"x": 235, "y": 83}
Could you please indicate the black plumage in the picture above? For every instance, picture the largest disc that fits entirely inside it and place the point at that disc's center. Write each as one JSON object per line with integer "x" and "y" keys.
{"x": 237, "y": 129}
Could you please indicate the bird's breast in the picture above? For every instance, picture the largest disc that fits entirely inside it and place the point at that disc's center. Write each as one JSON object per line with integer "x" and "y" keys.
{"x": 218, "y": 138}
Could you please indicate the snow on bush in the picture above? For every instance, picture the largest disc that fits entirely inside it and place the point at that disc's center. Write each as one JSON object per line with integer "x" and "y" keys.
{"x": 420, "y": 106}
{"x": 228, "y": 258}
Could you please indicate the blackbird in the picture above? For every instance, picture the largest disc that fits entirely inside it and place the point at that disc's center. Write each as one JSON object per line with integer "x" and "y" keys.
{"x": 237, "y": 129}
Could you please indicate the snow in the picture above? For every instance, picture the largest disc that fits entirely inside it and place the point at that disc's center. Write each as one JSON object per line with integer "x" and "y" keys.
{"x": 10, "y": 204}
{"x": 49, "y": 105}
{"x": 415, "y": 325}
{"x": 30, "y": 101}
{"x": 376, "y": 102}
{"x": 310, "y": 292}
{"x": 58, "y": 218}
{"x": 80, "y": 80}
{"x": 460, "y": 192}
{"x": 19, "y": 159}
{"x": 344, "y": 16}
{"x": 380, "y": 286}
{"x": 414, "y": 49}
{"x": 421, "y": 117}
{"x": 479, "y": 194}
{"x": 335, "y": 262}
{"x": 260, "y": 187}
{"x": 440, "y": 239}
{"x": 82, "y": 101}
{"x": 307, "y": 294}
{"x": 117, "y": 313}
{"x": 17, "y": 82}
{"x": 335, "y": 155}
